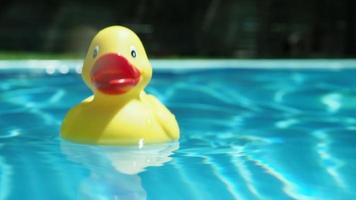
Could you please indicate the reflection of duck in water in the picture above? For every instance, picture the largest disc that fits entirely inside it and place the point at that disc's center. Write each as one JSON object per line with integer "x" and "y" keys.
{"x": 114, "y": 171}
{"x": 117, "y": 70}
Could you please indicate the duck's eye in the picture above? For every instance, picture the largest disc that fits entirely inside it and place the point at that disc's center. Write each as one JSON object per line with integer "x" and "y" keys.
{"x": 96, "y": 51}
{"x": 133, "y": 52}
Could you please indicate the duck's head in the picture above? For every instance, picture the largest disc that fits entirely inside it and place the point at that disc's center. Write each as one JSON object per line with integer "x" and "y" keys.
{"x": 116, "y": 63}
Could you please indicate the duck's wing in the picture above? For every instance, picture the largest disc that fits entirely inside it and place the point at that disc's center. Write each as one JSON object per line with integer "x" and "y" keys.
{"x": 165, "y": 118}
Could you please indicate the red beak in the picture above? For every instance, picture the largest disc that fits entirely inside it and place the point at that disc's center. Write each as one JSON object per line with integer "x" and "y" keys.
{"x": 114, "y": 74}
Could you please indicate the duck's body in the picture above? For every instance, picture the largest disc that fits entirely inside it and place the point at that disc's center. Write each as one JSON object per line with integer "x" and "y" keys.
{"x": 138, "y": 120}
{"x": 119, "y": 112}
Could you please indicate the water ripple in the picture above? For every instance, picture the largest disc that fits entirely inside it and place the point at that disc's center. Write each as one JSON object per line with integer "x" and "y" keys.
{"x": 332, "y": 101}
{"x": 331, "y": 163}
{"x": 6, "y": 171}
{"x": 10, "y": 133}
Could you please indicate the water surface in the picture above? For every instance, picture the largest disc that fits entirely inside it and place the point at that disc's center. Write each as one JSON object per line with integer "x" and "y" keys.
{"x": 245, "y": 134}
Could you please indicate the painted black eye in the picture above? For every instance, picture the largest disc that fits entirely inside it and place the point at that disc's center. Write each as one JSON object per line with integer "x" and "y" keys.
{"x": 96, "y": 51}
{"x": 133, "y": 52}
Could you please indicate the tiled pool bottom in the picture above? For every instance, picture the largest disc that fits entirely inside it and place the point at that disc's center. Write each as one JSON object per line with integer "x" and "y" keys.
{"x": 246, "y": 133}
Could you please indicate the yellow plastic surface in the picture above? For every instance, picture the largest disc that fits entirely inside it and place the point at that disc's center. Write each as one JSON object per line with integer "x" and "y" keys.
{"x": 123, "y": 119}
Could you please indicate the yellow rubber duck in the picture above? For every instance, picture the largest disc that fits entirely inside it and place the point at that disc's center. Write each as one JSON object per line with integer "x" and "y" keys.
{"x": 116, "y": 69}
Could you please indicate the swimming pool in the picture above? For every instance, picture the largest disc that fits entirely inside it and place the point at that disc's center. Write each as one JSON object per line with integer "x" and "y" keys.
{"x": 267, "y": 129}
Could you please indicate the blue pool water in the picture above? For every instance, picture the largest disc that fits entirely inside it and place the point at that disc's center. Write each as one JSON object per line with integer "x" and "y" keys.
{"x": 249, "y": 130}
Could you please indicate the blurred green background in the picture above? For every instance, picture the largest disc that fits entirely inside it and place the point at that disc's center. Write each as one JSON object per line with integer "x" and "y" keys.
{"x": 184, "y": 28}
